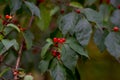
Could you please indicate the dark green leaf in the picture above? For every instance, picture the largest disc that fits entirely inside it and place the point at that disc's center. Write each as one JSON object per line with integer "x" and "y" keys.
{"x": 93, "y": 16}
{"x": 83, "y": 31}
{"x": 105, "y": 11}
{"x": 46, "y": 47}
{"x": 7, "y": 30}
{"x": 115, "y": 3}
{"x": 115, "y": 19}
{"x": 69, "y": 57}
{"x": 33, "y": 8}
{"x": 99, "y": 39}
{"x": 28, "y": 39}
{"x": 77, "y": 47}
{"x": 44, "y": 64}
{"x": 54, "y": 10}
{"x": 89, "y": 2}
{"x": 58, "y": 73}
{"x": 8, "y": 75}
{"x": 44, "y": 22}
{"x": 76, "y": 5}
{"x": 15, "y": 5}
{"x": 28, "y": 77}
{"x": 4, "y": 71}
{"x": 9, "y": 43}
{"x": 13, "y": 26}
{"x": 112, "y": 43}
{"x": 67, "y": 22}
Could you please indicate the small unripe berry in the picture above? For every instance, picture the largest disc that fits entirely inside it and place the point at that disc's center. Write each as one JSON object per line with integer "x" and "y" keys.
{"x": 116, "y": 29}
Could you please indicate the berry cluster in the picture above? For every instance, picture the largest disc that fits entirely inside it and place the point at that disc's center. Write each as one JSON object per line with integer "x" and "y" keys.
{"x": 10, "y": 19}
{"x": 15, "y": 72}
{"x": 55, "y": 53}
{"x": 57, "y": 42}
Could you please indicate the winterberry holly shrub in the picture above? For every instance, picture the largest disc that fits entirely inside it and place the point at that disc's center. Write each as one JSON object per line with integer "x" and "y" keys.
{"x": 70, "y": 25}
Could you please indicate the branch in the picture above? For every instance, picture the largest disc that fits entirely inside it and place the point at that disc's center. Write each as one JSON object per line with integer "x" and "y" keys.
{"x": 19, "y": 59}
{"x": 30, "y": 22}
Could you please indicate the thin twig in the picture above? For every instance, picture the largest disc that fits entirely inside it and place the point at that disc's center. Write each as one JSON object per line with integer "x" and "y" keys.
{"x": 19, "y": 59}
{"x": 30, "y": 22}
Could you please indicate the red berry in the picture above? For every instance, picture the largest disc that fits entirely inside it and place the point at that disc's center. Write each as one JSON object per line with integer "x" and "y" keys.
{"x": 56, "y": 44}
{"x": 0, "y": 16}
{"x": 108, "y": 1}
{"x": 62, "y": 11}
{"x": 119, "y": 6}
{"x": 15, "y": 73}
{"x": 116, "y": 29}
{"x": 8, "y": 16}
{"x": 77, "y": 11}
{"x": 59, "y": 40}
{"x": 58, "y": 57}
{"x": 63, "y": 39}
{"x": 58, "y": 1}
{"x": 4, "y": 22}
{"x": 40, "y": 1}
{"x": 54, "y": 53}
{"x": 55, "y": 40}
{"x": 22, "y": 29}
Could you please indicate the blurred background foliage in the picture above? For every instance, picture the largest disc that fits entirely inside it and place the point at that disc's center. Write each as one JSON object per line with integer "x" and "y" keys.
{"x": 100, "y": 66}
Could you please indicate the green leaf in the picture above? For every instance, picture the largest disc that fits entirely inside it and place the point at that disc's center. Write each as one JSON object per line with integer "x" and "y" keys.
{"x": 105, "y": 11}
{"x": 54, "y": 10}
{"x": 13, "y": 26}
{"x": 4, "y": 71}
{"x": 77, "y": 47}
{"x": 93, "y": 16}
{"x": 43, "y": 22}
{"x": 15, "y": 5}
{"x": 112, "y": 43}
{"x": 115, "y": 3}
{"x": 28, "y": 36}
{"x": 83, "y": 31}
{"x": 115, "y": 18}
{"x": 28, "y": 77}
{"x": 69, "y": 57}
{"x": 1, "y": 37}
{"x": 67, "y": 22}
{"x": 7, "y": 30}
{"x": 76, "y": 5}
{"x": 44, "y": 64}
{"x": 33, "y": 8}
{"x": 9, "y": 43}
{"x": 99, "y": 39}
{"x": 58, "y": 73}
{"x": 89, "y": 2}
{"x": 46, "y": 47}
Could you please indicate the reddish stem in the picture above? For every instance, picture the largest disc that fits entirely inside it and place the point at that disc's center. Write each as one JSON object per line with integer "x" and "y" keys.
{"x": 18, "y": 59}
